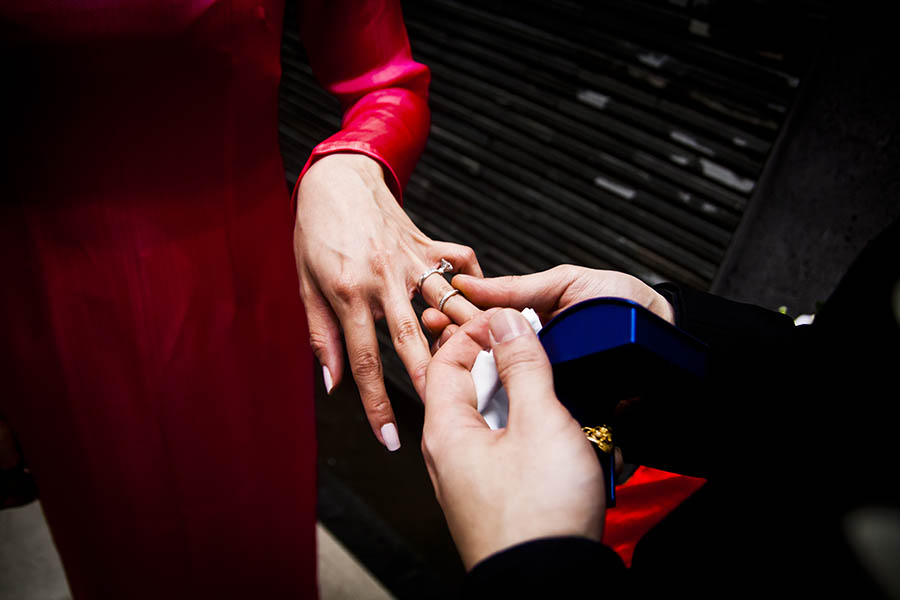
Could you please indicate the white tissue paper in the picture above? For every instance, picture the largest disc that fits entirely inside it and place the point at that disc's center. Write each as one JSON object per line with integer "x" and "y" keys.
{"x": 493, "y": 403}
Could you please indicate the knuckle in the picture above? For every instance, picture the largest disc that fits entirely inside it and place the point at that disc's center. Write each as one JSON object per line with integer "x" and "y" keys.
{"x": 517, "y": 362}
{"x": 378, "y": 408}
{"x": 346, "y": 289}
{"x": 380, "y": 261}
{"x": 366, "y": 365}
{"x": 467, "y": 253}
{"x": 566, "y": 271}
{"x": 318, "y": 342}
{"x": 407, "y": 332}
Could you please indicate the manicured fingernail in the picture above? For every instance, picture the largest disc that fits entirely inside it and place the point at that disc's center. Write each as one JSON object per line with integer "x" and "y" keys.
{"x": 508, "y": 324}
{"x": 329, "y": 383}
{"x": 390, "y": 437}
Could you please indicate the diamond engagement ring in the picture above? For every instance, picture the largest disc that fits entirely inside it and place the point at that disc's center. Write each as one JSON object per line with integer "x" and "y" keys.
{"x": 442, "y": 268}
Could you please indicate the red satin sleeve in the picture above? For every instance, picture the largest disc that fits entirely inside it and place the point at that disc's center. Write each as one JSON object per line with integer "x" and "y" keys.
{"x": 359, "y": 52}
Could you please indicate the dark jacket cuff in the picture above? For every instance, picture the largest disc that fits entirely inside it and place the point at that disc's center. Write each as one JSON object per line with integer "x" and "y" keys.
{"x": 723, "y": 323}
{"x": 559, "y": 567}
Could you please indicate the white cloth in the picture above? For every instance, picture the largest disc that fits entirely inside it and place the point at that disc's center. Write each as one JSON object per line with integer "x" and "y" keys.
{"x": 493, "y": 403}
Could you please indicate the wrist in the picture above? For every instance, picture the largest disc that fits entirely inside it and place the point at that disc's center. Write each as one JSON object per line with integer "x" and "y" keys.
{"x": 364, "y": 165}
{"x": 341, "y": 176}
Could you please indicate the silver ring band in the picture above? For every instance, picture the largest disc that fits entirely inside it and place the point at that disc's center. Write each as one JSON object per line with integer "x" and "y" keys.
{"x": 447, "y": 295}
{"x": 442, "y": 268}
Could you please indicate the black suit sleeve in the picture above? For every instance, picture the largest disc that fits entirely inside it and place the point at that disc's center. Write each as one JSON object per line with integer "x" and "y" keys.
{"x": 562, "y": 567}
{"x": 771, "y": 384}
{"x": 725, "y": 325}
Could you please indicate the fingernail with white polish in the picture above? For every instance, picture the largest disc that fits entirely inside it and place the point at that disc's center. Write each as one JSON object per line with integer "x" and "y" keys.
{"x": 390, "y": 437}
{"x": 329, "y": 383}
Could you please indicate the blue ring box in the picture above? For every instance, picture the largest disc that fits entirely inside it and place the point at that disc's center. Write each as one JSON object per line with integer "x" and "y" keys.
{"x": 606, "y": 350}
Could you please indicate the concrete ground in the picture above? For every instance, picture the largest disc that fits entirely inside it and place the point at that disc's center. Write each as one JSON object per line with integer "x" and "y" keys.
{"x": 833, "y": 183}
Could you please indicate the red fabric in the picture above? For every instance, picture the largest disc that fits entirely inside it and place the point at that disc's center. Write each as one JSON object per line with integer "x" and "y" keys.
{"x": 385, "y": 97}
{"x": 642, "y": 502}
{"x": 153, "y": 344}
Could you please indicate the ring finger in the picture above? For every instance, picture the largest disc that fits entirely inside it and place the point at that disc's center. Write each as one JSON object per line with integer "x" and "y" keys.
{"x": 439, "y": 294}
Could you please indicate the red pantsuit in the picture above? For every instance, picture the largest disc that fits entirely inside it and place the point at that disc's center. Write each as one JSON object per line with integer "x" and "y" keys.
{"x": 154, "y": 347}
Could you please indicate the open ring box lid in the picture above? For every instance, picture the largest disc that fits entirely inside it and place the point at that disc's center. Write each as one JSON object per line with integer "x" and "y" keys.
{"x": 606, "y": 350}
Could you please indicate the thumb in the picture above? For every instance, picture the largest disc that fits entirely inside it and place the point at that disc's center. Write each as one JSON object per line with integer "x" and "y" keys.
{"x": 523, "y": 368}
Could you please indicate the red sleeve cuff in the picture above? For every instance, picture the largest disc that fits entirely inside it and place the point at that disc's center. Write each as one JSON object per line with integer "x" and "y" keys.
{"x": 332, "y": 147}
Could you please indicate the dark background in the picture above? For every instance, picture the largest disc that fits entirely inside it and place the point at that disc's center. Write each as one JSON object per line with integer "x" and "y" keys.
{"x": 745, "y": 147}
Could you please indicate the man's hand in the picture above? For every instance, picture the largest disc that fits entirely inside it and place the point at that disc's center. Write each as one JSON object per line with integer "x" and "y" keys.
{"x": 548, "y": 293}
{"x": 358, "y": 259}
{"x": 537, "y": 477}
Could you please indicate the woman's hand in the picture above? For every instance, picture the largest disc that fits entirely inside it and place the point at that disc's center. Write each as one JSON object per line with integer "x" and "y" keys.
{"x": 548, "y": 293}
{"x": 537, "y": 477}
{"x": 359, "y": 257}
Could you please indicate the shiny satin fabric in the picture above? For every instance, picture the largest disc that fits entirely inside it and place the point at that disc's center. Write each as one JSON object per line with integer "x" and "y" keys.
{"x": 642, "y": 502}
{"x": 154, "y": 347}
